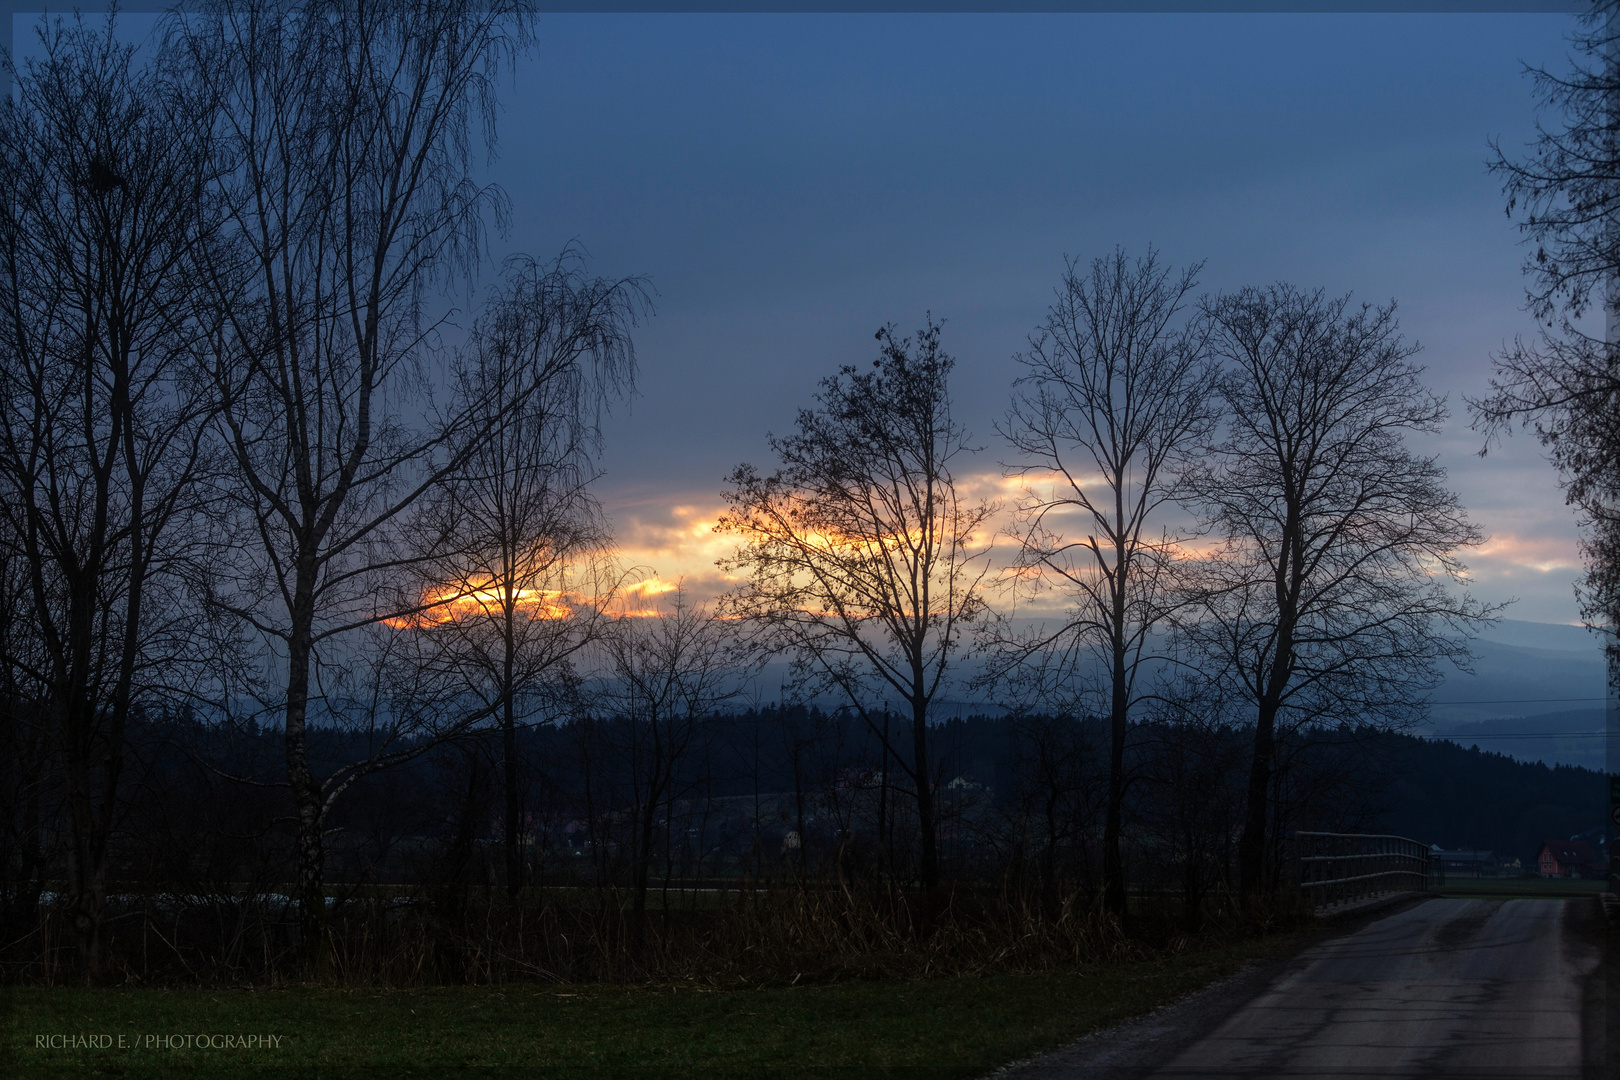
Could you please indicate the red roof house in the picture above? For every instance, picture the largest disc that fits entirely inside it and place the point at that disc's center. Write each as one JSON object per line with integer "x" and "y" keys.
{"x": 1568, "y": 858}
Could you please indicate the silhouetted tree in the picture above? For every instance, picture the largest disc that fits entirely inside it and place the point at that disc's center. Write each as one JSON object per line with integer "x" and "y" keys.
{"x": 664, "y": 676}
{"x": 1566, "y": 388}
{"x": 1329, "y": 600}
{"x": 524, "y": 581}
{"x": 345, "y": 164}
{"x": 1113, "y": 397}
{"x": 103, "y": 446}
{"x": 863, "y": 561}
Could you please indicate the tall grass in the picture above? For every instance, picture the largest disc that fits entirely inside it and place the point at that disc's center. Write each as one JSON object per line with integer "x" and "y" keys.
{"x": 802, "y": 930}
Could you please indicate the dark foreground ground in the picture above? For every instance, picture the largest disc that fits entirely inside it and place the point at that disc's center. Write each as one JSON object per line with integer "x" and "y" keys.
{"x": 944, "y": 1027}
{"x": 1493, "y": 988}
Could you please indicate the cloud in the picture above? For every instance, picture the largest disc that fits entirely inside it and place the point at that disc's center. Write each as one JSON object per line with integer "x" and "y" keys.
{"x": 670, "y": 541}
{"x": 1506, "y": 554}
{"x": 669, "y": 538}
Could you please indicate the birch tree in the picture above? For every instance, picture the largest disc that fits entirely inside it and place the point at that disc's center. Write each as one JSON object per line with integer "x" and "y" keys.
{"x": 527, "y": 575}
{"x": 346, "y": 167}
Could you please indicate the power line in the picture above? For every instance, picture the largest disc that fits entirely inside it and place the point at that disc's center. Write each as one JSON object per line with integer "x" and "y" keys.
{"x": 1465, "y": 737}
{"x": 1518, "y": 701}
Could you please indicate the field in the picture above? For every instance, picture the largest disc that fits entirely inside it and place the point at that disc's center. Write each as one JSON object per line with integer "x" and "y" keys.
{"x": 948, "y": 1027}
{"x": 1505, "y": 888}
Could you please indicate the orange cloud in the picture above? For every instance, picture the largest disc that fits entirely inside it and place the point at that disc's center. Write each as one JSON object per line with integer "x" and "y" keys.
{"x": 670, "y": 542}
{"x": 673, "y": 540}
{"x": 639, "y": 599}
{"x": 445, "y": 604}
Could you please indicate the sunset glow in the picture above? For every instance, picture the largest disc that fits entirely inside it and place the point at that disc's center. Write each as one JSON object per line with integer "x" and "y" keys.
{"x": 450, "y": 603}
{"x": 676, "y": 541}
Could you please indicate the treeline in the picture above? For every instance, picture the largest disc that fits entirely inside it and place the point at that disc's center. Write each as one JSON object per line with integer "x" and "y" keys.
{"x": 759, "y": 802}
{"x": 775, "y": 802}
{"x": 304, "y": 585}
{"x": 1464, "y": 797}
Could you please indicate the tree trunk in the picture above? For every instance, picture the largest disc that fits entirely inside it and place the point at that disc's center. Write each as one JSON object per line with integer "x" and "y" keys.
{"x": 642, "y": 873}
{"x": 798, "y": 798}
{"x": 1113, "y": 823}
{"x": 1050, "y": 901}
{"x": 1192, "y": 892}
{"x": 884, "y": 840}
{"x": 1273, "y": 684}
{"x": 1252, "y": 844}
{"x": 928, "y": 861}
{"x": 514, "y": 850}
{"x": 306, "y": 790}
{"x": 79, "y": 742}
{"x": 89, "y": 887}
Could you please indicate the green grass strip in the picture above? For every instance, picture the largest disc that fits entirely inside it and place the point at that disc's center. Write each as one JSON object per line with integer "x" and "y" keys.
{"x": 949, "y": 1027}
{"x": 1509, "y": 888}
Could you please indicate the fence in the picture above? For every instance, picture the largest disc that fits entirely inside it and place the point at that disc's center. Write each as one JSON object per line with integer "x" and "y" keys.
{"x": 1339, "y": 867}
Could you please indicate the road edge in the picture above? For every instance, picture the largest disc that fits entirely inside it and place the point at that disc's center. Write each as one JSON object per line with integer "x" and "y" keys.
{"x": 1139, "y": 1046}
{"x": 1599, "y": 925}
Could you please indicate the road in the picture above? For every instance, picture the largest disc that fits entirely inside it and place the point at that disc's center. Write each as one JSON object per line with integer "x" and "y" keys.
{"x": 1448, "y": 988}
{"x": 1467, "y": 988}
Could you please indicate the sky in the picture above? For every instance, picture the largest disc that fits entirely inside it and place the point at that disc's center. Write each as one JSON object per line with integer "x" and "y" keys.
{"x": 790, "y": 183}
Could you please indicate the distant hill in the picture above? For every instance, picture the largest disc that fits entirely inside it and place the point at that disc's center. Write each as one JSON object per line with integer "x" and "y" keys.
{"x": 1522, "y": 669}
{"x": 1571, "y": 737}
{"x": 1460, "y": 797}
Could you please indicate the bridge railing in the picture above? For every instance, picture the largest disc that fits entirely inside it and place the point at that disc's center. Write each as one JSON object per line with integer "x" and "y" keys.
{"x": 1339, "y": 867}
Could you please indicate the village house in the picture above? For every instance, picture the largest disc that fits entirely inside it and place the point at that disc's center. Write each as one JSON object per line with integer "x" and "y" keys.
{"x": 1468, "y": 863}
{"x": 1569, "y": 858}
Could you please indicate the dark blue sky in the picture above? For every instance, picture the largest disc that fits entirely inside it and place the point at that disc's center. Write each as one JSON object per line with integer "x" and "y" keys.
{"x": 791, "y": 182}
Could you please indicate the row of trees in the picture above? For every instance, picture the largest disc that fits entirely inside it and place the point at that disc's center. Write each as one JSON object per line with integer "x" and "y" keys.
{"x": 1223, "y": 499}
{"x": 240, "y": 429}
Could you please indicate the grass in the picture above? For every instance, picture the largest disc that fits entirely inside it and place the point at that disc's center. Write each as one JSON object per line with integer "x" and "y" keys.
{"x": 1506, "y": 888}
{"x": 948, "y": 1027}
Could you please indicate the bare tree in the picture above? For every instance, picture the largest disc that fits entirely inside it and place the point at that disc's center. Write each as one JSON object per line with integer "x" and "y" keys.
{"x": 1329, "y": 601}
{"x": 346, "y": 167}
{"x": 102, "y": 434}
{"x": 863, "y": 561}
{"x": 1113, "y": 396}
{"x": 1567, "y": 386}
{"x": 1567, "y": 390}
{"x": 526, "y": 578}
{"x": 665, "y": 676}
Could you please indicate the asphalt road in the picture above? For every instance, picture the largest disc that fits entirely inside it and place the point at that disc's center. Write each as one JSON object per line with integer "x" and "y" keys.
{"x": 1473, "y": 988}
{"x": 1448, "y": 988}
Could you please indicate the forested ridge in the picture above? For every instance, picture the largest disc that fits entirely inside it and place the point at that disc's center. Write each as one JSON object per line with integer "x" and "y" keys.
{"x": 784, "y": 792}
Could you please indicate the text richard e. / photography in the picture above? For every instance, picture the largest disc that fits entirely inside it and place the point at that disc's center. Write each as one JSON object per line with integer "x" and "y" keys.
{"x": 176, "y": 1041}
